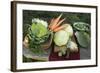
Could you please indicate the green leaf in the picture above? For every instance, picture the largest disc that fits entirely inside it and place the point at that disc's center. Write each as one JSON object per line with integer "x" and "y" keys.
{"x": 83, "y": 38}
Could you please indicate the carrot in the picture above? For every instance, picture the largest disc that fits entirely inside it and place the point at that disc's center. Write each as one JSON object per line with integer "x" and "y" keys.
{"x": 59, "y": 28}
{"x": 56, "y": 21}
{"x": 51, "y": 22}
{"x": 58, "y": 18}
{"x": 57, "y": 25}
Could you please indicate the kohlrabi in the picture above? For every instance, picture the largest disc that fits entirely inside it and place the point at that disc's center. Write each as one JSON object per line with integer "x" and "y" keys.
{"x": 61, "y": 38}
{"x": 68, "y": 29}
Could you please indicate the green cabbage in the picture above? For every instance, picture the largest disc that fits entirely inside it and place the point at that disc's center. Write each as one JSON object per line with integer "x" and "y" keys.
{"x": 39, "y": 30}
{"x": 37, "y": 34}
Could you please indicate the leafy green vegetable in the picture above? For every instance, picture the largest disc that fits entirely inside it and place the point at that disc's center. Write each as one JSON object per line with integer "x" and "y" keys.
{"x": 39, "y": 30}
{"x": 37, "y": 34}
{"x": 83, "y": 38}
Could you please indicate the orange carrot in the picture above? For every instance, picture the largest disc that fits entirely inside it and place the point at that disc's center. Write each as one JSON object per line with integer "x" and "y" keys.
{"x": 58, "y": 18}
{"x": 56, "y": 21}
{"x": 59, "y": 28}
{"x": 51, "y": 22}
{"x": 57, "y": 25}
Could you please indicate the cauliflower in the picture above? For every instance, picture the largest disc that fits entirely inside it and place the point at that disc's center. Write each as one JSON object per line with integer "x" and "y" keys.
{"x": 39, "y": 21}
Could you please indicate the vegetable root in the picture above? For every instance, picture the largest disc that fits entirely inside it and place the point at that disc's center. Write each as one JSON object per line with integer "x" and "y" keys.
{"x": 55, "y": 24}
{"x": 59, "y": 28}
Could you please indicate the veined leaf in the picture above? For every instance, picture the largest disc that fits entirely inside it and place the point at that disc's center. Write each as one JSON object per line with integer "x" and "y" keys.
{"x": 83, "y": 38}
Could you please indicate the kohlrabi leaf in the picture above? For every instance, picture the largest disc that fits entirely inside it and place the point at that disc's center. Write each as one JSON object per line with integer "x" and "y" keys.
{"x": 83, "y": 38}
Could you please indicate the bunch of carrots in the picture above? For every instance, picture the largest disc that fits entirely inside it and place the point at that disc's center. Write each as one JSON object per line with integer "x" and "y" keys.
{"x": 55, "y": 24}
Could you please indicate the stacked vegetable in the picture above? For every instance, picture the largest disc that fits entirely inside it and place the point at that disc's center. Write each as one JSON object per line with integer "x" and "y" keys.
{"x": 63, "y": 36}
